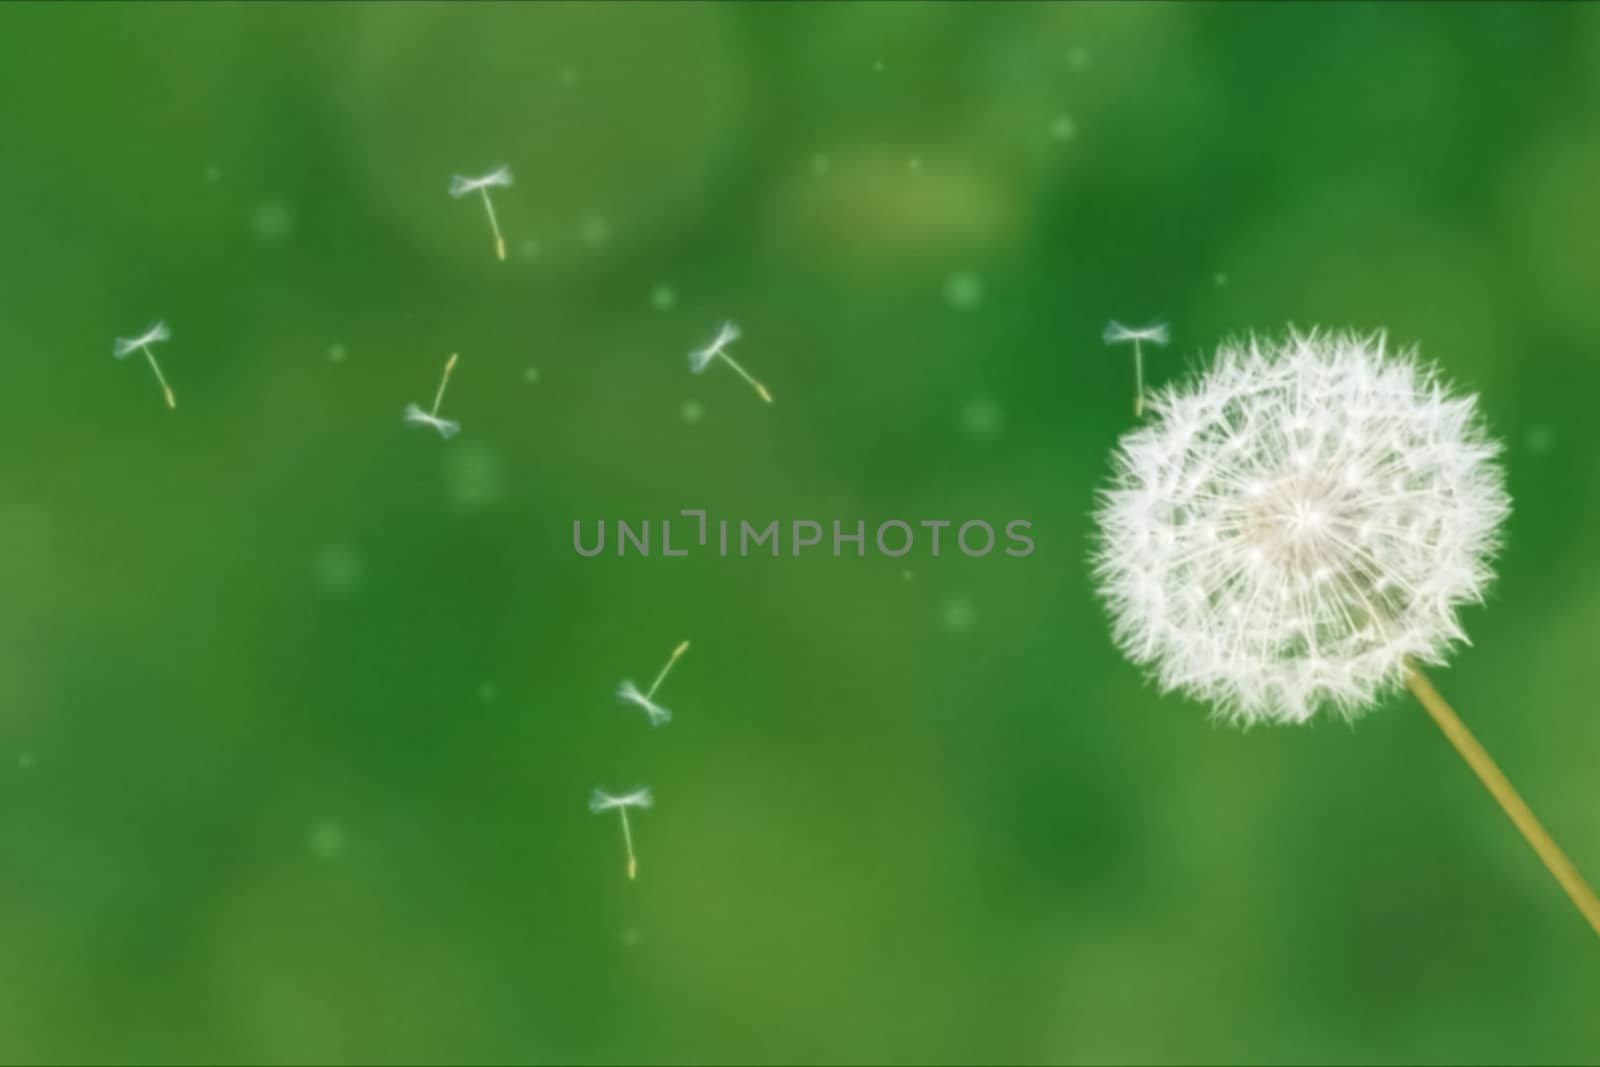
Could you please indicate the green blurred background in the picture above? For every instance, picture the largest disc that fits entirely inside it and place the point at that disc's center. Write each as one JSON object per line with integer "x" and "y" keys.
{"x": 300, "y": 709}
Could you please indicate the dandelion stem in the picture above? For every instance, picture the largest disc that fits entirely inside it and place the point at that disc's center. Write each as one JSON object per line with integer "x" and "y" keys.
{"x": 438, "y": 398}
{"x": 760, "y": 389}
{"x": 680, "y": 650}
{"x": 1498, "y": 785}
{"x": 162, "y": 378}
{"x": 627, "y": 842}
{"x": 494, "y": 224}
{"x": 1138, "y": 380}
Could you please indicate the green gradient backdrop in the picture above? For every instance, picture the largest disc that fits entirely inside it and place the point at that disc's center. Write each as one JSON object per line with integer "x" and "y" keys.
{"x": 299, "y": 710}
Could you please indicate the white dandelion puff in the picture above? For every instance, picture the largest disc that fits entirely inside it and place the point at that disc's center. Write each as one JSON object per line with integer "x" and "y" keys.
{"x": 461, "y": 185}
{"x": 499, "y": 177}
{"x": 1294, "y": 525}
{"x": 701, "y": 358}
{"x": 601, "y": 801}
{"x": 123, "y": 347}
{"x": 1117, "y": 334}
{"x": 658, "y": 715}
{"x": 1296, "y": 530}
{"x": 645, "y": 701}
{"x": 415, "y": 416}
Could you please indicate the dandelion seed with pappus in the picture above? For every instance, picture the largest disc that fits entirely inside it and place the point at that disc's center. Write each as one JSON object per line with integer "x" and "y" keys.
{"x": 701, "y": 358}
{"x": 123, "y": 347}
{"x": 629, "y": 693}
{"x": 500, "y": 176}
{"x": 1117, "y": 334}
{"x": 601, "y": 801}
{"x": 415, "y": 416}
{"x": 1295, "y": 530}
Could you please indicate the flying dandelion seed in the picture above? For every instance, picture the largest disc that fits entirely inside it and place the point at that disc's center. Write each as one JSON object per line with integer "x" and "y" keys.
{"x": 602, "y": 801}
{"x": 629, "y": 693}
{"x": 498, "y": 177}
{"x": 1296, "y": 529}
{"x": 1117, "y": 334}
{"x": 123, "y": 347}
{"x": 701, "y": 358}
{"x": 415, "y": 416}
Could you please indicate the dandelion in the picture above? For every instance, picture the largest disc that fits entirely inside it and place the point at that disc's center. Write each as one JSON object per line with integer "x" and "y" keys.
{"x": 1296, "y": 529}
{"x": 640, "y": 798}
{"x": 462, "y": 186}
{"x": 1118, "y": 334}
{"x": 658, "y": 715}
{"x": 415, "y": 416}
{"x": 123, "y": 347}
{"x": 701, "y": 358}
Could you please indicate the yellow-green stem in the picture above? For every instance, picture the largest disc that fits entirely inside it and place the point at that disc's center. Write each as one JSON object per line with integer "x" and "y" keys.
{"x": 1501, "y": 789}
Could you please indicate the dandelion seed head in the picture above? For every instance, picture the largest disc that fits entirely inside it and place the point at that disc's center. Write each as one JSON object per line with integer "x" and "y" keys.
{"x": 1116, "y": 334}
{"x": 462, "y": 185}
{"x": 1290, "y": 527}
{"x": 630, "y": 693}
{"x": 123, "y": 347}
{"x": 700, "y": 358}
{"x": 415, "y": 416}
{"x": 600, "y": 800}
